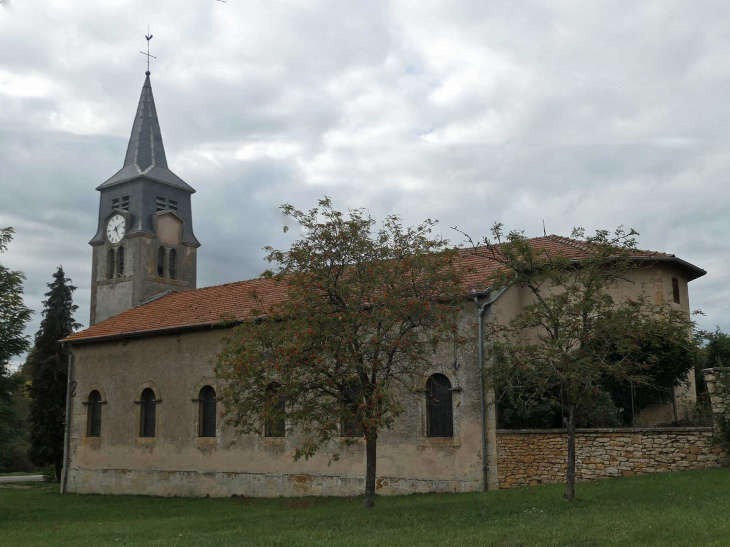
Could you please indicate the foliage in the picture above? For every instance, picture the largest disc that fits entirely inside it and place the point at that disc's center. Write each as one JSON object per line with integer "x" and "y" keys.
{"x": 686, "y": 509}
{"x": 360, "y": 325}
{"x": 573, "y": 340}
{"x": 14, "y": 456}
{"x": 47, "y": 368}
{"x": 13, "y": 317}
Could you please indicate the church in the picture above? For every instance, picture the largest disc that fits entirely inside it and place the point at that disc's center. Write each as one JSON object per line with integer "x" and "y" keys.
{"x": 143, "y": 416}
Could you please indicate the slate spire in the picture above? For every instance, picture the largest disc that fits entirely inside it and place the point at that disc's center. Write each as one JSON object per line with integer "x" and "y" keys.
{"x": 145, "y": 147}
{"x": 145, "y": 152}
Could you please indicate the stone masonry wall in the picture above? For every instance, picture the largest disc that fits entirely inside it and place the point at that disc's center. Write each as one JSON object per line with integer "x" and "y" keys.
{"x": 540, "y": 456}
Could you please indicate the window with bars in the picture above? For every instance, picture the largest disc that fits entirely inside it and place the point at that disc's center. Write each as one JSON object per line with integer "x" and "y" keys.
{"x": 172, "y": 264}
{"x": 110, "y": 264}
{"x": 148, "y": 417}
{"x": 207, "y": 401}
{"x": 675, "y": 290}
{"x": 94, "y": 415}
{"x": 275, "y": 423}
{"x": 120, "y": 261}
{"x": 160, "y": 262}
{"x": 160, "y": 203}
{"x": 439, "y": 409}
{"x": 172, "y": 204}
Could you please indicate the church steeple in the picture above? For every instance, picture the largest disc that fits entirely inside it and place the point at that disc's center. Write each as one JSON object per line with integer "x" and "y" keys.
{"x": 144, "y": 243}
{"x": 145, "y": 145}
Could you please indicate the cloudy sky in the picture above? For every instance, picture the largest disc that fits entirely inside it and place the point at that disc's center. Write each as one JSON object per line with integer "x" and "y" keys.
{"x": 577, "y": 113}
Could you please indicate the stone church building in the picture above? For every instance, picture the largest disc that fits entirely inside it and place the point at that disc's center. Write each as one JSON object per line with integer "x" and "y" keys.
{"x": 144, "y": 418}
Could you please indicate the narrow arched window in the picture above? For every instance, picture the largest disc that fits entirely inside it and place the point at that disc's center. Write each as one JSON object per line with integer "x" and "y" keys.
{"x": 94, "y": 415}
{"x": 160, "y": 262}
{"x": 172, "y": 264}
{"x": 120, "y": 261}
{"x": 207, "y": 403}
{"x": 148, "y": 416}
{"x": 675, "y": 290}
{"x": 274, "y": 425}
{"x": 110, "y": 264}
{"x": 439, "y": 409}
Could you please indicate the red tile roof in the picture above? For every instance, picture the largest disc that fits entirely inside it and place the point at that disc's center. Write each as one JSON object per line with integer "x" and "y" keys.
{"x": 210, "y": 305}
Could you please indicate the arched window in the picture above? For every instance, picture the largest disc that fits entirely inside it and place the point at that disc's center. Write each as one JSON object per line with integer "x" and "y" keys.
{"x": 120, "y": 261}
{"x": 110, "y": 264}
{"x": 94, "y": 415}
{"x": 274, "y": 425}
{"x": 439, "y": 409}
{"x": 207, "y": 403}
{"x": 172, "y": 264}
{"x": 148, "y": 415}
{"x": 160, "y": 262}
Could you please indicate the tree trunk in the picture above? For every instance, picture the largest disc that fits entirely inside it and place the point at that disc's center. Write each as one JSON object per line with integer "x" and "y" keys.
{"x": 59, "y": 469}
{"x": 570, "y": 473}
{"x": 371, "y": 441}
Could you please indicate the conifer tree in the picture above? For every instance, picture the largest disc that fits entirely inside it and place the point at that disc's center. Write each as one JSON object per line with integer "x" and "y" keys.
{"x": 13, "y": 318}
{"x": 48, "y": 374}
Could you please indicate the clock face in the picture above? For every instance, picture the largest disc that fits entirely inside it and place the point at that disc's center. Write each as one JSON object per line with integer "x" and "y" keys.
{"x": 115, "y": 229}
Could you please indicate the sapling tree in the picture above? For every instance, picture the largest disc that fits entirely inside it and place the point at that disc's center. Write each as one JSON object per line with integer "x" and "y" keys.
{"x": 573, "y": 336}
{"x": 366, "y": 309}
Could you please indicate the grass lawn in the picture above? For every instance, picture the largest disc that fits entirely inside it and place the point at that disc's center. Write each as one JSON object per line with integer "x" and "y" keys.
{"x": 690, "y": 508}
{"x": 20, "y": 474}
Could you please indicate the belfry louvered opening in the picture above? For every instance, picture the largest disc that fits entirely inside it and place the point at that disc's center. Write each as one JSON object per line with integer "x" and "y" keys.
{"x": 120, "y": 261}
{"x": 160, "y": 262}
{"x": 172, "y": 264}
{"x": 110, "y": 264}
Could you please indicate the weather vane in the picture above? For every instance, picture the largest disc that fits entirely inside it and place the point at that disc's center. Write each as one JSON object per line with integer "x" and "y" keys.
{"x": 149, "y": 37}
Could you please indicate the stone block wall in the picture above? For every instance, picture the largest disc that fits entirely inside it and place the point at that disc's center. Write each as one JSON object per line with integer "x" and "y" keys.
{"x": 529, "y": 457}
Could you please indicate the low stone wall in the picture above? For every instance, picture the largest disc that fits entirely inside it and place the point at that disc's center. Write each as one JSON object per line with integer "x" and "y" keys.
{"x": 537, "y": 456}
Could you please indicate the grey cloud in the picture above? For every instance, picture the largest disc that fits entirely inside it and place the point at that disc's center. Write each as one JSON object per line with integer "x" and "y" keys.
{"x": 575, "y": 113}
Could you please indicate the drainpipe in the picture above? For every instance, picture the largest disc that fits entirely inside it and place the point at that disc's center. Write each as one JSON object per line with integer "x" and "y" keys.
{"x": 67, "y": 435}
{"x": 489, "y": 461}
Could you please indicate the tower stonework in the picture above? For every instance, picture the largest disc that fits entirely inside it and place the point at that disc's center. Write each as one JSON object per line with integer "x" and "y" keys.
{"x": 144, "y": 243}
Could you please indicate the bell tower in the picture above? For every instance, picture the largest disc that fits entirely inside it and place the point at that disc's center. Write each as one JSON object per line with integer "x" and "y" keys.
{"x": 144, "y": 243}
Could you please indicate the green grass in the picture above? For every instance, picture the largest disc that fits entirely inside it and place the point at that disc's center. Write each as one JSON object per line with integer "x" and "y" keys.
{"x": 20, "y": 474}
{"x": 680, "y": 509}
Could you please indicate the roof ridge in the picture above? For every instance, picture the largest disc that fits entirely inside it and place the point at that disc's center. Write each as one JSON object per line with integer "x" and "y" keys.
{"x": 568, "y": 241}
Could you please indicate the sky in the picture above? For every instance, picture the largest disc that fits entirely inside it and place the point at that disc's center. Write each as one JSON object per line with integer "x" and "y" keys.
{"x": 571, "y": 113}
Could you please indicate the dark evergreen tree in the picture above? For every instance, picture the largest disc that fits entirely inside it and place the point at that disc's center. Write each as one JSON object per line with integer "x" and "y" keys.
{"x": 13, "y": 318}
{"x": 48, "y": 374}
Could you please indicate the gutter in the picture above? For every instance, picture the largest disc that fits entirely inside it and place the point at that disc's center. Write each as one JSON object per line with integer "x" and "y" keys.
{"x": 489, "y": 461}
{"x": 67, "y": 434}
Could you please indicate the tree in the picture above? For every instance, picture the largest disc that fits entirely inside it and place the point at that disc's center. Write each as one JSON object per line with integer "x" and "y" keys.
{"x": 573, "y": 339}
{"x": 13, "y": 318}
{"x": 365, "y": 312}
{"x": 48, "y": 365}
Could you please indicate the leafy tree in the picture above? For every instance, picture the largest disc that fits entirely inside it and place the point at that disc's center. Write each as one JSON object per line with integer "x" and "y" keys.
{"x": 361, "y": 322}
{"x": 573, "y": 338}
{"x": 47, "y": 368}
{"x": 13, "y": 318}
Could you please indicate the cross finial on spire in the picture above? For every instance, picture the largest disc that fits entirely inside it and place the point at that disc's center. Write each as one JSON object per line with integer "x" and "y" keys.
{"x": 149, "y": 37}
